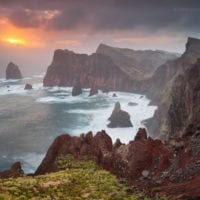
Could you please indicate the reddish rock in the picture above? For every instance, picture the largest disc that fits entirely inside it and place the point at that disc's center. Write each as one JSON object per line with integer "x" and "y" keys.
{"x": 13, "y": 72}
{"x": 94, "y": 147}
{"x": 14, "y": 171}
{"x": 141, "y": 134}
{"x": 28, "y": 87}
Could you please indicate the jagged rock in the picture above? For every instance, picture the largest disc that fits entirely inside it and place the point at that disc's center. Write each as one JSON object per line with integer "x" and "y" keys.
{"x": 119, "y": 118}
{"x": 94, "y": 147}
{"x": 77, "y": 89}
{"x": 124, "y": 160}
{"x": 28, "y": 87}
{"x": 13, "y": 72}
{"x": 141, "y": 134}
{"x": 93, "y": 90}
{"x": 14, "y": 171}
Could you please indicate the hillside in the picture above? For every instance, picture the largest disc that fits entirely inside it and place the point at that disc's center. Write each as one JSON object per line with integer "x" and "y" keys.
{"x": 79, "y": 180}
{"x": 138, "y": 64}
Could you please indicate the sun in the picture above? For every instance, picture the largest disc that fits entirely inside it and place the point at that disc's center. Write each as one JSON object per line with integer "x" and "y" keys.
{"x": 15, "y": 41}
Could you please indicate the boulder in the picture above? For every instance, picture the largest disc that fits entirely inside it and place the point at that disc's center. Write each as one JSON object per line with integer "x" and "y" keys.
{"x": 13, "y": 72}
{"x": 119, "y": 118}
{"x": 14, "y": 171}
{"x": 77, "y": 89}
{"x": 28, "y": 87}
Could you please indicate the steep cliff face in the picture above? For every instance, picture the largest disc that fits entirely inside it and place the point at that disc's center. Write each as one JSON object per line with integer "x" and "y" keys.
{"x": 136, "y": 63}
{"x": 168, "y": 86}
{"x": 92, "y": 70}
{"x": 184, "y": 110}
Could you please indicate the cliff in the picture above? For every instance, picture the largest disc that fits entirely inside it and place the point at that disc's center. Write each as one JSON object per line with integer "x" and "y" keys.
{"x": 139, "y": 64}
{"x": 169, "y": 85}
{"x": 109, "y": 68}
{"x": 95, "y": 69}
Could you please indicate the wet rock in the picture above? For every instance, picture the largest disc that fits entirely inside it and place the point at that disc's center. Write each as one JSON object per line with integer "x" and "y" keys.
{"x": 13, "y": 72}
{"x": 77, "y": 89}
{"x": 119, "y": 118}
{"x": 28, "y": 87}
{"x": 132, "y": 104}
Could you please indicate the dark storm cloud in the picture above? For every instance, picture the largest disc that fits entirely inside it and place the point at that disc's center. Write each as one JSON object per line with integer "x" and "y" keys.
{"x": 105, "y": 15}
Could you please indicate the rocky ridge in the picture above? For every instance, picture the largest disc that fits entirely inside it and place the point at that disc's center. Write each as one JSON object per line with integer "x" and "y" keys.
{"x": 175, "y": 87}
{"x": 145, "y": 162}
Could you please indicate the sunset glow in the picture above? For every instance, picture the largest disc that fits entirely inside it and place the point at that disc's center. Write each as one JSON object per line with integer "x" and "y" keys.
{"x": 15, "y": 41}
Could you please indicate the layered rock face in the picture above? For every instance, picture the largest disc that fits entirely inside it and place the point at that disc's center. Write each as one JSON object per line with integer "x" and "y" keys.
{"x": 93, "y": 70}
{"x": 13, "y": 72}
{"x": 175, "y": 91}
{"x": 119, "y": 118}
{"x": 136, "y": 63}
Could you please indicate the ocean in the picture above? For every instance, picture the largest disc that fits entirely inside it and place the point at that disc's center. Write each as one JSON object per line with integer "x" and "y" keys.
{"x": 31, "y": 120}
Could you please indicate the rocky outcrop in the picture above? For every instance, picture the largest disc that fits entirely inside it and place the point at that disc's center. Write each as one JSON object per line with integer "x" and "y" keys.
{"x": 96, "y": 69}
{"x": 28, "y": 86}
{"x": 14, "y": 171}
{"x": 13, "y": 72}
{"x": 94, "y": 147}
{"x": 136, "y": 63}
{"x": 77, "y": 89}
{"x": 175, "y": 92}
{"x": 124, "y": 160}
{"x": 172, "y": 168}
{"x": 119, "y": 118}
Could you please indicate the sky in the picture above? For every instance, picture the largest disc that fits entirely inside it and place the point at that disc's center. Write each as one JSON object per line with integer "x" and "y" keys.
{"x": 30, "y": 30}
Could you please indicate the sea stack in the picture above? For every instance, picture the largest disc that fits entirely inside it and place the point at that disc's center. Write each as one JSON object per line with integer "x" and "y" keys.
{"x": 77, "y": 89}
{"x": 119, "y": 118}
{"x": 28, "y": 86}
{"x": 13, "y": 72}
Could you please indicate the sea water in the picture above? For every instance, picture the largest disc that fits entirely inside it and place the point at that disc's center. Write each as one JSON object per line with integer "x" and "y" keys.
{"x": 30, "y": 120}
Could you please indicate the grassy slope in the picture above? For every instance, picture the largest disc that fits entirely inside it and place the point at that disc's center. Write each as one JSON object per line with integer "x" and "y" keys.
{"x": 79, "y": 181}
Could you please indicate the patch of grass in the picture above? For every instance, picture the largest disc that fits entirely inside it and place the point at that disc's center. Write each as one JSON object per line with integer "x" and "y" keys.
{"x": 80, "y": 180}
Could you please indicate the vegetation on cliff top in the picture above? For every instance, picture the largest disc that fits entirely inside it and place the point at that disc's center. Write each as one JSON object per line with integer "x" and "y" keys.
{"x": 78, "y": 180}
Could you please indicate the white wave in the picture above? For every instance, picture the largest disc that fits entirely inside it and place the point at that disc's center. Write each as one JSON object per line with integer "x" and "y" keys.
{"x": 63, "y": 99}
{"x": 99, "y": 117}
{"x": 19, "y": 89}
{"x": 39, "y": 75}
{"x": 3, "y": 80}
